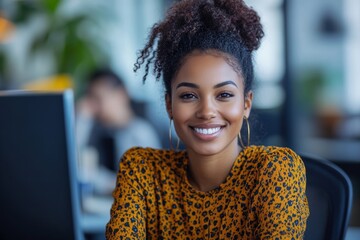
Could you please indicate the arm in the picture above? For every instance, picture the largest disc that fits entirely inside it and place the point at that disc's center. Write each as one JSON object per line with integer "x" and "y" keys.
{"x": 128, "y": 214}
{"x": 280, "y": 202}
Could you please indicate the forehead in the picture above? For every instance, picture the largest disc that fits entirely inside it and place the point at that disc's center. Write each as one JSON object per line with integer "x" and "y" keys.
{"x": 207, "y": 69}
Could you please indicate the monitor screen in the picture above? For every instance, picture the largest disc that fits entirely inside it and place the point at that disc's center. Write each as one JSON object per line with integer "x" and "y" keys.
{"x": 38, "y": 185}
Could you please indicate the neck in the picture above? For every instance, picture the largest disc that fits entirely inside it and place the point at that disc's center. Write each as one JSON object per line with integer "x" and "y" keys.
{"x": 208, "y": 172}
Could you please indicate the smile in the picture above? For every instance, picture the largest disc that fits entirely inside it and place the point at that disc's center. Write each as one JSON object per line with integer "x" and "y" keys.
{"x": 207, "y": 131}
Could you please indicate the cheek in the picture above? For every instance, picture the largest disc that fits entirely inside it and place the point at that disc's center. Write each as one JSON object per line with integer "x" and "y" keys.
{"x": 181, "y": 112}
{"x": 234, "y": 116}
{"x": 233, "y": 111}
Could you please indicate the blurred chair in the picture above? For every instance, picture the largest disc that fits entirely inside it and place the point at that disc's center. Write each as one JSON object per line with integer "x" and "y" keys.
{"x": 329, "y": 192}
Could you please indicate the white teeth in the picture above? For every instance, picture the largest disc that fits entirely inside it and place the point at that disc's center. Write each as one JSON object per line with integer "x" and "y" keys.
{"x": 207, "y": 131}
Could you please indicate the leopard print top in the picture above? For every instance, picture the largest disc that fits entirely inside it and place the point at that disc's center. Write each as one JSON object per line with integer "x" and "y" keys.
{"x": 263, "y": 197}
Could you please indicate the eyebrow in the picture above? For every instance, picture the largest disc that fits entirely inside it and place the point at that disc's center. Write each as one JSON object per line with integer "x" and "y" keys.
{"x": 225, "y": 83}
{"x": 187, "y": 84}
{"x": 193, "y": 85}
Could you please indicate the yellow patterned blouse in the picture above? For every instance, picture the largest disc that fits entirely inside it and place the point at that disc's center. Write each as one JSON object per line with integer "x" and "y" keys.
{"x": 263, "y": 197}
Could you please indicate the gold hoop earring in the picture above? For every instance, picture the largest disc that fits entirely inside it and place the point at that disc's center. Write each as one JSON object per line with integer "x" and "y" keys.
{"x": 170, "y": 138}
{"x": 248, "y": 137}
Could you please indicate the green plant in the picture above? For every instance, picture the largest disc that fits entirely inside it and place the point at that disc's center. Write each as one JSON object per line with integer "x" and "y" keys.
{"x": 65, "y": 37}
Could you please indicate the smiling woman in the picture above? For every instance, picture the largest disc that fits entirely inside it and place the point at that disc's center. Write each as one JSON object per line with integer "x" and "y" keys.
{"x": 215, "y": 188}
{"x": 207, "y": 94}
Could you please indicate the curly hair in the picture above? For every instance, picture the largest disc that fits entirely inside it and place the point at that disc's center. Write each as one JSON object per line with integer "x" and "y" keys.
{"x": 229, "y": 27}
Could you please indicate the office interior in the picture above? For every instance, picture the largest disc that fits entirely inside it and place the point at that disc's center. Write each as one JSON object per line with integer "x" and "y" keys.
{"x": 307, "y": 73}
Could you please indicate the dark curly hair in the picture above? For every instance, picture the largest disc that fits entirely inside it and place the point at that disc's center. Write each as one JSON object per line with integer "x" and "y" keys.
{"x": 229, "y": 27}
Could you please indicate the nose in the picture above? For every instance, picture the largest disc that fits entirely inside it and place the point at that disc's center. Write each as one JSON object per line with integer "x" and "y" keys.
{"x": 206, "y": 109}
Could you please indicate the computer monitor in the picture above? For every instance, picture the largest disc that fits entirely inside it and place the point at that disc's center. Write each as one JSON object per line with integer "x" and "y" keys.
{"x": 38, "y": 185}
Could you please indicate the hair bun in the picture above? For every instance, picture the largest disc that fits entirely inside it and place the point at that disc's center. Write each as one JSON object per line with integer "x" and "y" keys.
{"x": 231, "y": 16}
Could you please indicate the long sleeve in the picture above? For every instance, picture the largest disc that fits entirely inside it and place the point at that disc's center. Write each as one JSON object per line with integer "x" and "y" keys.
{"x": 280, "y": 201}
{"x": 128, "y": 212}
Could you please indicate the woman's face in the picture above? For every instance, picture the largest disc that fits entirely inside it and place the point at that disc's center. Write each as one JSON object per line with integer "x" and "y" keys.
{"x": 207, "y": 104}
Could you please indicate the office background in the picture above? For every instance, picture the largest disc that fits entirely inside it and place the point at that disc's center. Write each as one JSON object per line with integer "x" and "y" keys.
{"x": 307, "y": 69}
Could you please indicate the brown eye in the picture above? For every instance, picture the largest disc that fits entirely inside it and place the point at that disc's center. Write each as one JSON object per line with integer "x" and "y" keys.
{"x": 187, "y": 96}
{"x": 225, "y": 95}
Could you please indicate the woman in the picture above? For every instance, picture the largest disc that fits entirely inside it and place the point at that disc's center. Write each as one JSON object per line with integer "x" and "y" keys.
{"x": 216, "y": 188}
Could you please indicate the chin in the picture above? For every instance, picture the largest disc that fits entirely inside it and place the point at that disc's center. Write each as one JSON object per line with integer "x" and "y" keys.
{"x": 206, "y": 149}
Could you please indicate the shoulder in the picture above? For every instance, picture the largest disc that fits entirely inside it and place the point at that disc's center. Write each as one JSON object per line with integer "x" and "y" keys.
{"x": 147, "y": 161}
{"x": 270, "y": 159}
{"x": 141, "y": 155}
{"x": 272, "y": 153}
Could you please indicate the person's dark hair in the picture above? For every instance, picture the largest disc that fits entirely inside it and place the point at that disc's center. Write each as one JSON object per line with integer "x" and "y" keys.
{"x": 105, "y": 75}
{"x": 228, "y": 27}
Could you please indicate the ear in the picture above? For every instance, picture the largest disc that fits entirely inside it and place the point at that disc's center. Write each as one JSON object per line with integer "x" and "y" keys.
{"x": 168, "y": 105}
{"x": 248, "y": 103}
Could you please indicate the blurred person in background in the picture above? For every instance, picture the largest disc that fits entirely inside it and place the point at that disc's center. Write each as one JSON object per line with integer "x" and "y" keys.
{"x": 107, "y": 126}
